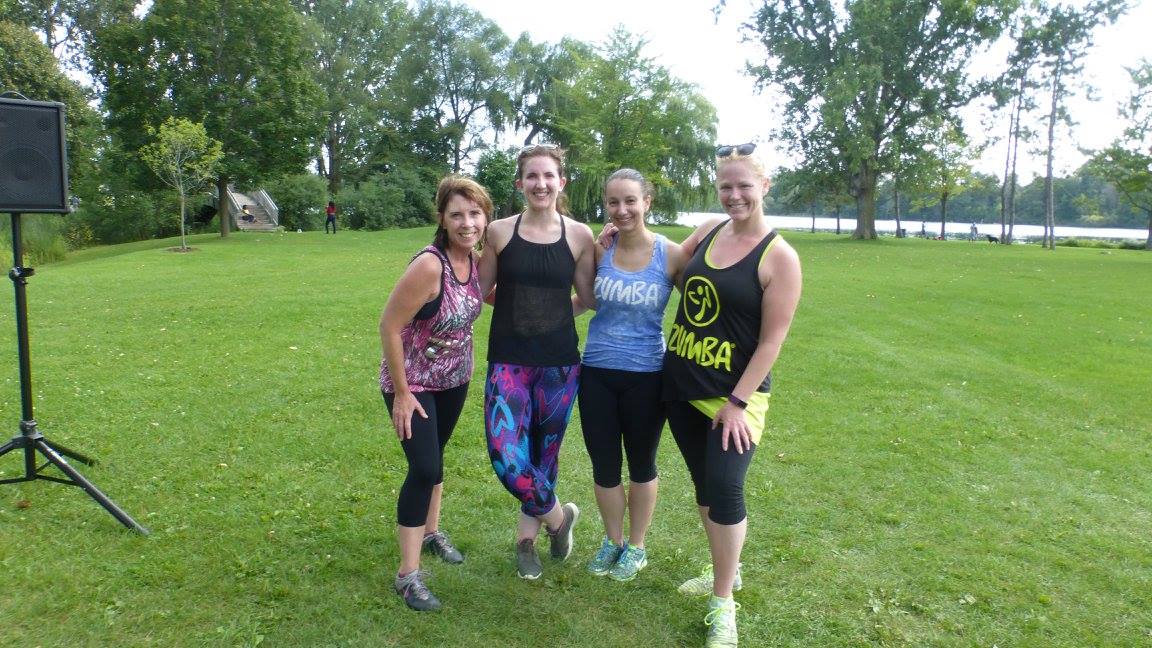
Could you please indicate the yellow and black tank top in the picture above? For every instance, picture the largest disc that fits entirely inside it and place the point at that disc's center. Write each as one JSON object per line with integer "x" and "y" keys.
{"x": 717, "y": 324}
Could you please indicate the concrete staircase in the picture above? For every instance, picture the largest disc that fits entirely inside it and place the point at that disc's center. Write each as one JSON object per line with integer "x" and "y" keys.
{"x": 265, "y": 215}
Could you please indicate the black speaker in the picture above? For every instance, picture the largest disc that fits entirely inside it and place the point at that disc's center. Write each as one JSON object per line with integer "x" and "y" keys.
{"x": 33, "y": 159}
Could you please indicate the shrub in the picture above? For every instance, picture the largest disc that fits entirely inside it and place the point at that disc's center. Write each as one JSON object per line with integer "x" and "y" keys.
{"x": 301, "y": 199}
{"x": 43, "y": 238}
{"x": 400, "y": 198}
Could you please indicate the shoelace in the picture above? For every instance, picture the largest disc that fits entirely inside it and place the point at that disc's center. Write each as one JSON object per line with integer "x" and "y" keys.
{"x": 413, "y": 585}
{"x": 439, "y": 541}
{"x": 718, "y": 612}
{"x": 629, "y": 558}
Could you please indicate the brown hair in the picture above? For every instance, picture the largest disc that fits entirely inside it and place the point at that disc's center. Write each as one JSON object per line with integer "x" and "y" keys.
{"x": 647, "y": 189}
{"x": 465, "y": 187}
{"x": 540, "y": 150}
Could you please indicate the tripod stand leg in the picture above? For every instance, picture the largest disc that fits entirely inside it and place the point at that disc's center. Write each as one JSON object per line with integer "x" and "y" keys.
{"x": 8, "y": 447}
{"x": 88, "y": 487}
{"x": 68, "y": 452}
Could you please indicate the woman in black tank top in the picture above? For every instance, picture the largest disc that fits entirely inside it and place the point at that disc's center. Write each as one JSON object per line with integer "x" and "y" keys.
{"x": 534, "y": 259}
{"x": 738, "y": 294}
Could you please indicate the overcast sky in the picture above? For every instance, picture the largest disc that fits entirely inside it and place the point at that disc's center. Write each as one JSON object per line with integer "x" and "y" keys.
{"x": 684, "y": 37}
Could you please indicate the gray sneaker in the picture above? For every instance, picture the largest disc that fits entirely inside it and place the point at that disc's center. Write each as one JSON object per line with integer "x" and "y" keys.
{"x": 561, "y": 539}
{"x": 527, "y": 562}
{"x": 438, "y": 543}
{"x": 411, "y": 588}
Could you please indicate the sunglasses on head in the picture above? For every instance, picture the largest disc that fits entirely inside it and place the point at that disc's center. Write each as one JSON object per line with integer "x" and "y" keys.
{"x": 532, "y": 148}
{"x": 724, "y": 150}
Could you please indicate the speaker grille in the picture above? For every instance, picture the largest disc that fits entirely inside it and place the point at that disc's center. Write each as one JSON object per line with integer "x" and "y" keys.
{"x": 32, "y": 174}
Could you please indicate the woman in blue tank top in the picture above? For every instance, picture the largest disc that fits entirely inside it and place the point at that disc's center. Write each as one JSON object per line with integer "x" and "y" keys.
{"x": 620, "y": 383}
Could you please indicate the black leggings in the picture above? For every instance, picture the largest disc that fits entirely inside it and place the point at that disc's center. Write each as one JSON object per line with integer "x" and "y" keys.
{"x": 425, "y": 450}
{"x": 620, "y": 406}
{"x": 718, "y": 475}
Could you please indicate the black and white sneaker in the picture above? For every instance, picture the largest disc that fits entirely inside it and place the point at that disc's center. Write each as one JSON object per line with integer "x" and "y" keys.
{"x": 561, "y": 539}
{"x": 527, "y": 562}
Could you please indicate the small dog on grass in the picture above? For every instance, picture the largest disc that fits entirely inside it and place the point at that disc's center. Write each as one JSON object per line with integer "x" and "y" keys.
{"x": 992, "y": 239}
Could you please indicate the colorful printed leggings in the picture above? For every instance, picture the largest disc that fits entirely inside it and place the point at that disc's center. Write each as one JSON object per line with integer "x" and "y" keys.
{"x": 526, "y": 410}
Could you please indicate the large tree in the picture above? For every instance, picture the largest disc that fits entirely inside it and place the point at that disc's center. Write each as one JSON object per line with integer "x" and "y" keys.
{"x": 358, "y": 47}
{"x": 1062, "y": 35}
{"x": 465, "y": 75}
{"x": 617, "y": 107}
{"x": 237, "y": 66}
{"x": 863, "y": 75}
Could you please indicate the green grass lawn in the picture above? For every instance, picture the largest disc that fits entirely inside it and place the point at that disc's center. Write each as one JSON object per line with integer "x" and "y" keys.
{"x": 958, "y": 455}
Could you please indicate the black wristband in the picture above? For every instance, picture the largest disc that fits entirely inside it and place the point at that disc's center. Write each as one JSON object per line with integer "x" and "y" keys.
{"x": 732, "y": 398}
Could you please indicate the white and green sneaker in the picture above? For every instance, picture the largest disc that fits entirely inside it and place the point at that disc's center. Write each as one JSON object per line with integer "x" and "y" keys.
{"x": 702, "y": 584}
{"x": 605, "y": 558}
{"x": 631, "y": 561}
{"x": 721, "y": 622}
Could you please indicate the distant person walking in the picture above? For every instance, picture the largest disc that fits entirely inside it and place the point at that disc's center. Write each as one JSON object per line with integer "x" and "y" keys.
{"x": 426, "y": 335}
{"x": 330, "y": 212}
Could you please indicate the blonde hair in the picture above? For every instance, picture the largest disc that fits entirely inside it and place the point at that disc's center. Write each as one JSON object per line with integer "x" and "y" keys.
{"x": 753, "y": 160}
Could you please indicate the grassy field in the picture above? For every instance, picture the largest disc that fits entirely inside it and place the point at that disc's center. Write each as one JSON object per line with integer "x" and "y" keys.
{"x": 958, "y": 455}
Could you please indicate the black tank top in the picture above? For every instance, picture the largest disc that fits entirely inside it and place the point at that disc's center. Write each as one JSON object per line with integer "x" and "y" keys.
{"x": 532, "y": 321}
{"x": 717, "y": 325}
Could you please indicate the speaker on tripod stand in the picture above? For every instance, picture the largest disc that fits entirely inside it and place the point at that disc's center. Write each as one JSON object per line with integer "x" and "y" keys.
{"x": 34, "y": 178}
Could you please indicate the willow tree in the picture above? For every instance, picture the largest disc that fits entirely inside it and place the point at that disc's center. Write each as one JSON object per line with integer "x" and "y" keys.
{"x": 862, "y": 76}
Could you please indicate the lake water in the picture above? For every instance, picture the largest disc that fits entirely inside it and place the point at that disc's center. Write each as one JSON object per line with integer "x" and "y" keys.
{"x": 847, "y": 225}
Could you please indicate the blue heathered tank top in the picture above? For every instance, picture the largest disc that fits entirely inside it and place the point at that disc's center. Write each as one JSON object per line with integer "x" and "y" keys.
{"x": 626, "y": 332}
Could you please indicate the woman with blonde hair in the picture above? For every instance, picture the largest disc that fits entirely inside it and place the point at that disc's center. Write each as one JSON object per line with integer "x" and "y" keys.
{"x": 738, "y": 295}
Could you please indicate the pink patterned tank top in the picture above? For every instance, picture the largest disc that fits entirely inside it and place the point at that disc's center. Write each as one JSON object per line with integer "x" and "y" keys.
{"x": 439, "y": 367}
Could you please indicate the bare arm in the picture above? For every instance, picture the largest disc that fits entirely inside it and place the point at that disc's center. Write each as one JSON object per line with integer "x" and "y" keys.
{"x": 781, "y": 273}
{"x": 495, "y": 238}
{"x": 419, "y": 284}
{"x": 578, "y": 305}
{"x": 584, "y": 251}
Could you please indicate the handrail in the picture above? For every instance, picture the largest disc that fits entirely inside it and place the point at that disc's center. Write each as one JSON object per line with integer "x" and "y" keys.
{"x": 264, "y": 200}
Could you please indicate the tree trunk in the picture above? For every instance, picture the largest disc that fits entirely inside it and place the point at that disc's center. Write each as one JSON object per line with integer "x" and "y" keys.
{"x": 1012, "y": 184}
{"x": 183, "y": 239}
{"x": 837, "y": 220}
{"x": 896, "y": 202}
{"x": 222, "y": 206}
{"x": 335, "y": 178}
{"x": 1049, "y": 208}
{"x": 1007, "y": 169}
{"x": 812, "y": 212}
{"x": 943, "y": 214}
{"x": 1148, "y": 243}
{"x": 866, "y": 216}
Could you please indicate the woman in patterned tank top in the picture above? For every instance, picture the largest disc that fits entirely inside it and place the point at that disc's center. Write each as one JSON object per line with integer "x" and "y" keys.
{"x": 426, "y": 335}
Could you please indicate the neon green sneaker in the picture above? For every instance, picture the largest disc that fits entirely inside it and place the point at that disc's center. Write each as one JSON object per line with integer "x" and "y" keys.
{"x": 631, "y": 561}
{"x": 721, "y": 622}
{"x": 606, "y": 558}
{"x": 702, "y": 584}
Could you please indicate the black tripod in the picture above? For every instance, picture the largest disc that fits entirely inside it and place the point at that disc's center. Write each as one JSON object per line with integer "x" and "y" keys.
{"x": 30, "y": 439}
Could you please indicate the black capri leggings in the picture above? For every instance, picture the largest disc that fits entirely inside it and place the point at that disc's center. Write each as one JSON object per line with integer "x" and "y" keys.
{"x": 425, "y": 450}
{"x": 718, "y": 475}
{"x": 621, "y": 406}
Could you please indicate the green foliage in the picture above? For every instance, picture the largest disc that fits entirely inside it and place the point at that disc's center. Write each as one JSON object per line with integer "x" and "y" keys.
{"x": 496, "y": 171}
{"x": 44, "y": 238}
{"x": 854, "y": 101}
{"x": 183, "y": 157}
{"x": 402, "y": 198}
{"x": 301, "y": 199}
{"x": 465, "y": 62}
{"x": 28, "y": 67}
{"x": 238, "y": 66}
{"x": 618, "y": 108}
